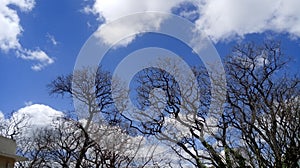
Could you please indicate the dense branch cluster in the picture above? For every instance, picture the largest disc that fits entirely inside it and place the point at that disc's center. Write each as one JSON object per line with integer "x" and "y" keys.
{"x": 257, "y": 126}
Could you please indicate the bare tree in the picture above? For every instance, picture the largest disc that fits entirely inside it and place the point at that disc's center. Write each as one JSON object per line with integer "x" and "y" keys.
{"x": 258, "y": 128}
{"x": 264, "y": 105}
{"x": 61, "y": 145}
{"x": 13, "y": 126}
{"x": 179, "y": 117}
{"x": 98, "y": 138}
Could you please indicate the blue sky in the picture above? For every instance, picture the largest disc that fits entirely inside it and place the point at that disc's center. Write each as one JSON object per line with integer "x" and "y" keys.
{"x": 50, "y": 33}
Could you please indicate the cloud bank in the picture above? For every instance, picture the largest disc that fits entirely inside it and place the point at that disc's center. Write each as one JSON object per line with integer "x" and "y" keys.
{"x": 11, "y": 30}
{"x": 221, "y": 20}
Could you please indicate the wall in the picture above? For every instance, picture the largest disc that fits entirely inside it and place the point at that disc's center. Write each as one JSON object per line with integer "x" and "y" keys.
{"x": 6, "y": 162}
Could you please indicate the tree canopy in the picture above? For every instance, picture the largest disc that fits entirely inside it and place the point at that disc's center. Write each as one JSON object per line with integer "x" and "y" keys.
{"x": 257, "y": 125}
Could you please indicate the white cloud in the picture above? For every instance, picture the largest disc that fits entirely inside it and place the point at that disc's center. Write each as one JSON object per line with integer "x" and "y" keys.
{"x": 52, "y": 39}
{"x": 38, "y": 56}
{"x": 123, "y": 8}
{"x": 116, "y": 31}
{"x": 38, "y": 115}
{"x": 226, "y": 20}
{"x": 287, "y": 18}
{"x": 25, "y": 5}
{"x": 1, "y": 116}
{"x": 221, "y": 20}
{"x": 11, "y": 30}
{"x": 190, "y": 14}
{"x": 28, "y": 103}
{"x": 109, "y": 11}
{"x": 29, "y": 119}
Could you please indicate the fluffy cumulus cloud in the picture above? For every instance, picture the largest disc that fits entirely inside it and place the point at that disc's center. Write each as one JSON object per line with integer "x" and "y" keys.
{"x": 39, "y": 56}
{"x": 28, "y": 119}
{"x": 221, "y": 20}
{"x": 109, "y": 11}
{"x": 11, "y": 30}
{"x": 37, "y": 115}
